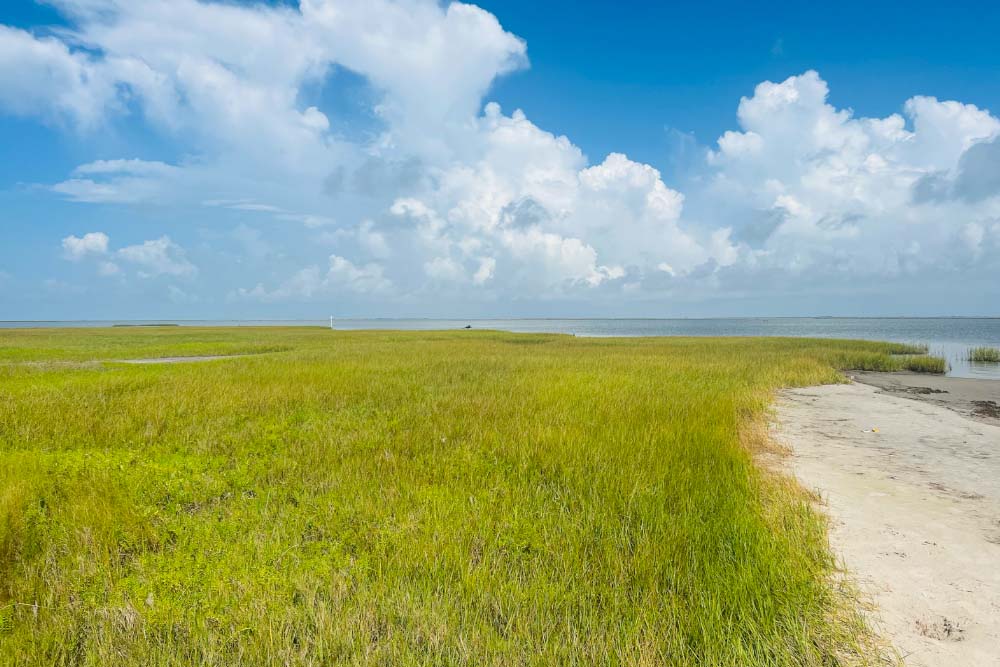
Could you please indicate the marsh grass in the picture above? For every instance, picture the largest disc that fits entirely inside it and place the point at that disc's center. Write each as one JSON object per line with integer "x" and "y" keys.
{"x": 984, "y": 354}
{"x": 889, "y": 362}
{"x": 923, "y": 363}
{"x": 410, "y": 498}
{"x": 907, "y": 348}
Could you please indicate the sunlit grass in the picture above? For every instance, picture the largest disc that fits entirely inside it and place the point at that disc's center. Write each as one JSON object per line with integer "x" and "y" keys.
{"x": 881, "y": 361}
{"x": 391, "y": 498}
{"x": 907, "y": 348}
{"x": 924, "y": 364}
{"x": 984, "y": 354}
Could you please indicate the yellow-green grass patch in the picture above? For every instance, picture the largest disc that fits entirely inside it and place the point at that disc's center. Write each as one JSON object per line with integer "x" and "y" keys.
{"x": 409, "y": 498}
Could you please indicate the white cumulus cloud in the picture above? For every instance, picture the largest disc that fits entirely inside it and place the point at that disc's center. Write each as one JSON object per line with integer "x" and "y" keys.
{"x": 158, "y": 257}
{"x": 815, "y": 191}
{"x": 92, "y": 243}
{"x": 432, "y": 186}
{"x": 341, "y": 276}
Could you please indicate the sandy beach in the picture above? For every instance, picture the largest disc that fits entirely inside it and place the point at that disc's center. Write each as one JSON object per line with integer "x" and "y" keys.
{"x": 908, "y": 470}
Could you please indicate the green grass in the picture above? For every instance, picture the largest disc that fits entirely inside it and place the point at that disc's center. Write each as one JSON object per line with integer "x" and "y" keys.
{"x": 908, "y": 348}
{"x": 923, "y": 363}
{"x": 881, "y": 361}
{"x": 421, "y": 498}
{"x": 984, "y": 354}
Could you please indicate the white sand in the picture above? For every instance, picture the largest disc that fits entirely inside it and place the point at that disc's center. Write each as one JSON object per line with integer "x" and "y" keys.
{"x": 915, "y": 513}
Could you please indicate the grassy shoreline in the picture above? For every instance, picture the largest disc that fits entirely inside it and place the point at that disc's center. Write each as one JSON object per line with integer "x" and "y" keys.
{"x": 409, "y": 498}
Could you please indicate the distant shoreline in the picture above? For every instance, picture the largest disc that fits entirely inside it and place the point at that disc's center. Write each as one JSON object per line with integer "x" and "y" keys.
{"x": 531, "y": 319}
{"x": 948, "y": 337}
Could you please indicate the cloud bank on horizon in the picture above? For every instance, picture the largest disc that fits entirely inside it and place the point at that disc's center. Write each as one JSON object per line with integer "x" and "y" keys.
{"x": 438, "y": 196}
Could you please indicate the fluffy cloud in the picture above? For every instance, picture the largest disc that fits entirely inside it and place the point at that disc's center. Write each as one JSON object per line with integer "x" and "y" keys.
{"x": 974, "y": 180}
{"x": 44, "y": 77}
{"x": 436, "y": 190}
{"x": 93, "y": 243}
{"x": 531, "y": 200}
{"x": 487, "y": 266}
{"x": 342, "y": 276}
{"x": 158, "y": 257}
{"x": 814, "y": 191}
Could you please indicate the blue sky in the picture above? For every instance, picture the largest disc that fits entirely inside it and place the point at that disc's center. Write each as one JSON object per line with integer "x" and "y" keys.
{"x": 194, "y": 159}
{"x": 619, "y": 76}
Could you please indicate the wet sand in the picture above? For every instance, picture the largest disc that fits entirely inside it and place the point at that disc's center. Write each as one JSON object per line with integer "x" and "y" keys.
{"x": 912, "y": 488}
{"x": 976, "y": 398}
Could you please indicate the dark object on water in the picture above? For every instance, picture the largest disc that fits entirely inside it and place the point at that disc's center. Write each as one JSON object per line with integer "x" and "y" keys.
{"x": 468, "y": 326}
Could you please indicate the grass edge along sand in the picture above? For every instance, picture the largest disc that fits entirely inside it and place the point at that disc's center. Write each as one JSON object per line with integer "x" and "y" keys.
{"x": 410, "y": 498}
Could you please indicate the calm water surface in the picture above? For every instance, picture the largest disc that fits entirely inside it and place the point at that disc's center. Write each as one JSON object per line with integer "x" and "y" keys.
{"x": 947, "y": 337}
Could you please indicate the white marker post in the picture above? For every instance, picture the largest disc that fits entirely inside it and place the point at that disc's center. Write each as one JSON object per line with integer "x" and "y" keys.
{"x": 331, "y": 322}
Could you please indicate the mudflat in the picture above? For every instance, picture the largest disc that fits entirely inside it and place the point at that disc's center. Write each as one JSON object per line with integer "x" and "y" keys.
{"x": 973, "y": 397}
{"x": 912, "y": 491}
